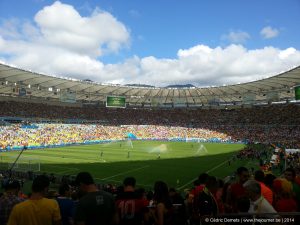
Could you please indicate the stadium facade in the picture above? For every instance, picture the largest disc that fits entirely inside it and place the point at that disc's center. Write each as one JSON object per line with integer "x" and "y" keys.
{"x": 22, "y": 85}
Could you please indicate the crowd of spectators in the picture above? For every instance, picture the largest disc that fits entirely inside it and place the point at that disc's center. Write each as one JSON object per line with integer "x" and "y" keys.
{"x": 78, "y": 200}
{"x": 57, "y": 134}
{"x": 293, "y": 159}
{"x": 81, "y": 201}
{"x": 279, "y": 124}
{"x": 273, "y": 115}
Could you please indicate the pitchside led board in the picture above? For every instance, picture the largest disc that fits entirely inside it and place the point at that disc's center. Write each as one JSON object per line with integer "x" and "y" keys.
{"x": 115, "y": 101}
{"x": 297, "y": 93}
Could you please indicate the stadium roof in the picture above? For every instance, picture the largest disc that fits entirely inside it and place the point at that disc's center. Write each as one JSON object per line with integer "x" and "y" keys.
{"x": 21, "y": 83}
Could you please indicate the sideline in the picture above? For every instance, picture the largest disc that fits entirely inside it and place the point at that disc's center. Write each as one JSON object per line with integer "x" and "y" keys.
{"x": 208, "y": 171}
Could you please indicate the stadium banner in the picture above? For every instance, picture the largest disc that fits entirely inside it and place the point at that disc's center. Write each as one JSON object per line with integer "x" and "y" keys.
{"x": 297, "y": 93}
{"x": 292, "y": 150}
{"x": 69, "y": 97}
{"x": 116, "y": 101}
{"x": 249, "y": 98}
{"x": 272, "y": 96}
{"x": 22, "y": 91}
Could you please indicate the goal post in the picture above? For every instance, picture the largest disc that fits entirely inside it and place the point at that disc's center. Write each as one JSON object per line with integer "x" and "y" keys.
{"x": 23, "y": 164}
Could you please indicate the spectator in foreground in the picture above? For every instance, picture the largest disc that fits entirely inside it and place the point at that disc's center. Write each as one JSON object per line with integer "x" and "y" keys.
{"x": 131, "y": 206}
{"x": 265, "y": 190}
{"x": 96, "y": 207}
{"x": 284, "y": 200}
{"x": 37, "y": 210}
{"x": 162, "y": 213}
{"x": 66, "y": 205}
{"x": 179, "y": 209}
{"x": 9, "y": 199}
{"x": 290, "y": 175}
{"x": 237, "y": 190}
{"x": 258, "y": 204}
{"x": 208, "y": 206}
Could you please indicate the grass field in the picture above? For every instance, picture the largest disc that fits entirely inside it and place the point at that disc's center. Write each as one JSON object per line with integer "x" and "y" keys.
{"x": 177, "y": 163}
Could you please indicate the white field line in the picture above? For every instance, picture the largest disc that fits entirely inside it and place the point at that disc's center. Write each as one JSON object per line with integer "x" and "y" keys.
{"x": 208, "y": 171}
{"x": 128, "y": 171}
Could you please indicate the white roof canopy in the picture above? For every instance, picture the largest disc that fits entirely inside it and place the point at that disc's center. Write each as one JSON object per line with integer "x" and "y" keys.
{"x": 279, "y": 87}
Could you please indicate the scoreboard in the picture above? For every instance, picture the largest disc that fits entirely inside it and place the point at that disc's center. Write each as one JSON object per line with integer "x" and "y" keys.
{"x": 116, "y": 101}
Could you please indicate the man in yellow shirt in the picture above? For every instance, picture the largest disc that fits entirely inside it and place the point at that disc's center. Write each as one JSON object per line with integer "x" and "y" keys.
{"x": 37, "y": 210}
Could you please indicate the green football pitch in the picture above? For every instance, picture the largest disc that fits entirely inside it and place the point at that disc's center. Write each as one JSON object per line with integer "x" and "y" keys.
{"x": 176, "y": 163}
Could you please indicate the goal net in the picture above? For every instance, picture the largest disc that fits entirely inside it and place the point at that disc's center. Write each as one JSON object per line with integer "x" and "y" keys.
{"x": 23, "y": 164}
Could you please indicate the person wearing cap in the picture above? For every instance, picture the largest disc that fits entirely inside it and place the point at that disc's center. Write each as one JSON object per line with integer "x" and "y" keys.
{"x": 37, "y": 210}
{"x": 9, "y": 199}
{"x": 95, "y": 207}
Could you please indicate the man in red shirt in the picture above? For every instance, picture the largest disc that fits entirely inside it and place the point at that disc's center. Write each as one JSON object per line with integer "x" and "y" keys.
{"x": 130, "y": 204}
{"x": 236, "y": 190}
{"x": 200, "y": 184}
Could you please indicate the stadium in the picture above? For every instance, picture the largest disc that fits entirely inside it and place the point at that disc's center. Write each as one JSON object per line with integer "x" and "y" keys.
{"x": 62, "y": 126}
{"x": 149, "y": 113}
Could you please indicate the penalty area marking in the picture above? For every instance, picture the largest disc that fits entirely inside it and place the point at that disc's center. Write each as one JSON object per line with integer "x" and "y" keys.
{"x": 128, "y": 171}
{"x": 208, "y": 171}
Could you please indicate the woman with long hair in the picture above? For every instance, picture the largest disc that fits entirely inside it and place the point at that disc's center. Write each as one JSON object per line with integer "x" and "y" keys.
{"x": 162, "y": 212}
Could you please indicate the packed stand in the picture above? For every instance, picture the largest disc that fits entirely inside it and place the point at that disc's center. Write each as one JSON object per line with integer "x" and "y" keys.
{"x": 58, "y": 134}
{"x": 278, "y": 124}
{"x": 81, "y": 201}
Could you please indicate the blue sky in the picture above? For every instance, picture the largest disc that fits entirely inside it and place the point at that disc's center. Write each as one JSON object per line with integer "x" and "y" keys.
{"x": 208, "y": 42}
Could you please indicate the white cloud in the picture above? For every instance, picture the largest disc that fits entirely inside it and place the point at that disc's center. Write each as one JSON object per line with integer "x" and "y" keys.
{"x": 66, "y": 44}
{"x": 285, "y": 54}
{"x": 236, "y": 37}
{"x": 9, "y": 29}
{"x": 61, "y": 25}
{"x": 205, "y": 66}
{"x": 63, "y": 42}
{"x": 269, "y": 32}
